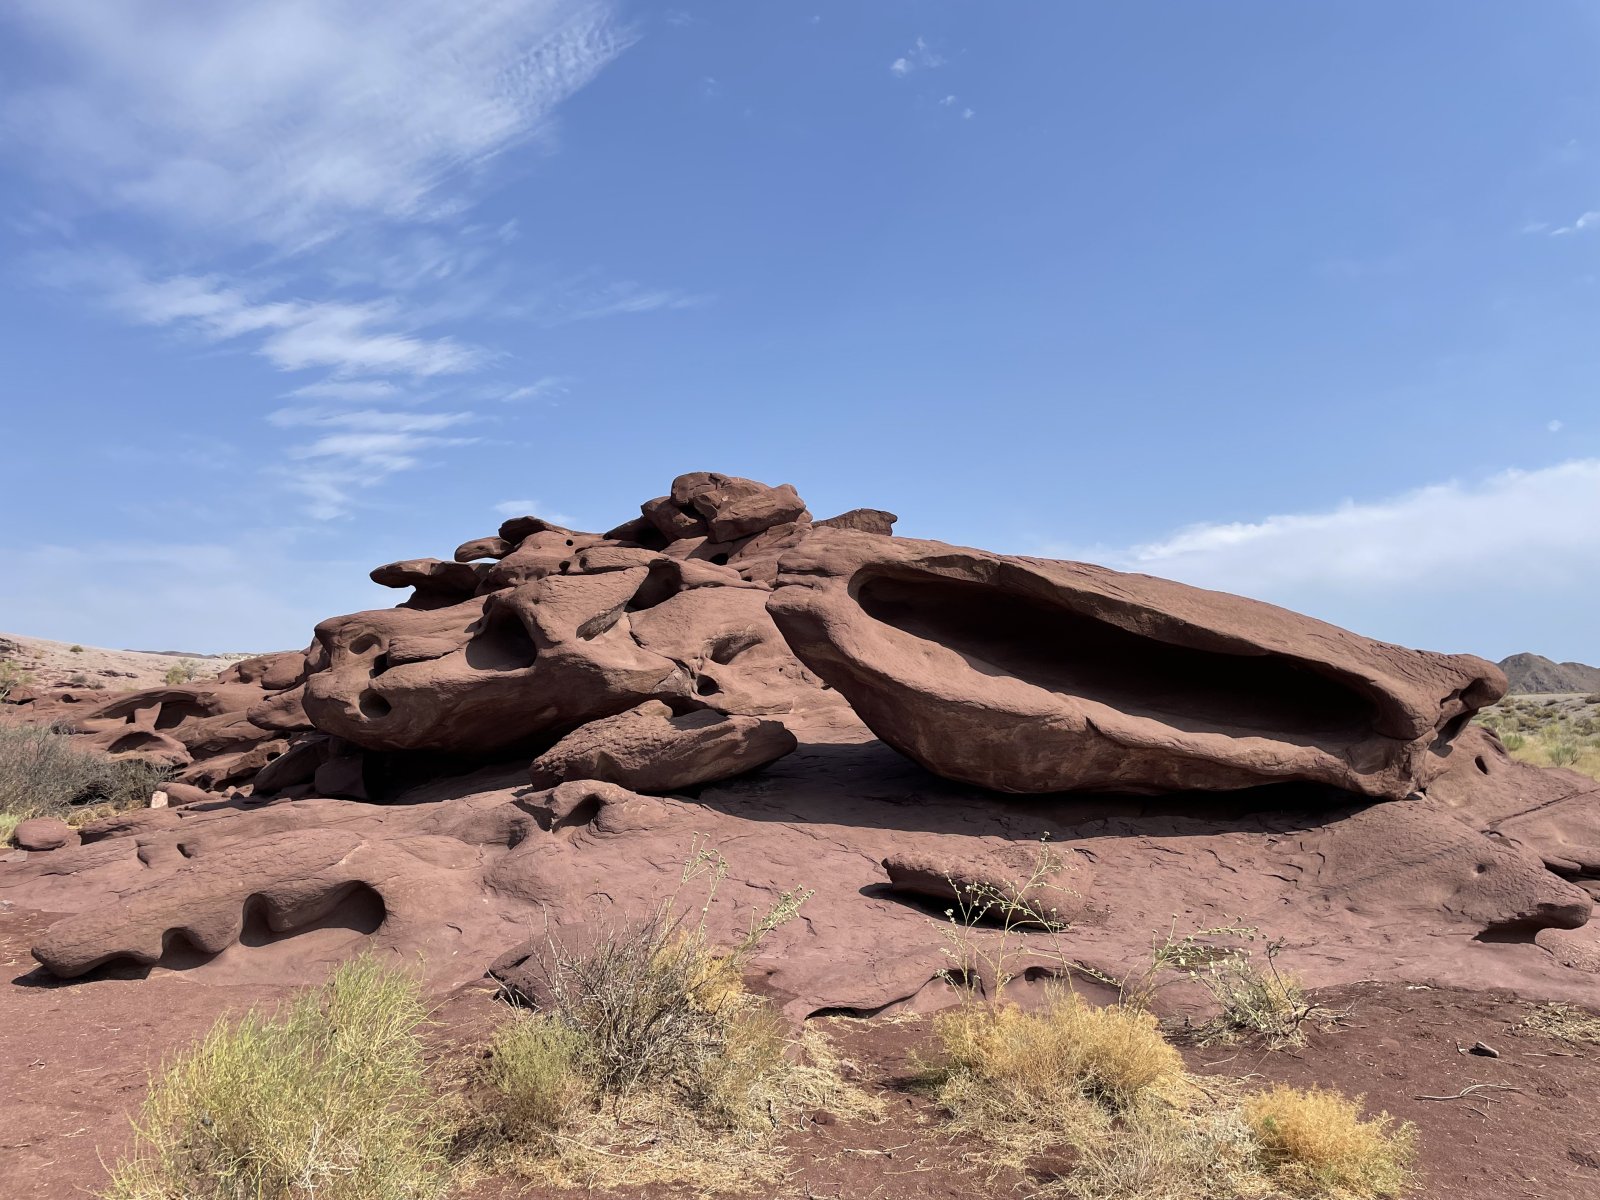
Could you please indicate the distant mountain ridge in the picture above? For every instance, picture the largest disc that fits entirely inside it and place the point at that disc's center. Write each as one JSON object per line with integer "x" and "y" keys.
{"x": 1535, "y": 673}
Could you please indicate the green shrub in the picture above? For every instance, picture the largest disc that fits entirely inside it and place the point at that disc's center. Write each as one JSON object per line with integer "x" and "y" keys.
{"x": 1513, "y": 741}
{"x": 328, "y": 1100}
{"x": 43, "y": 773}
{"x": 535, "y": 1070}
{"x": 1562, "y": 752}
{"x": 75, "y": 649}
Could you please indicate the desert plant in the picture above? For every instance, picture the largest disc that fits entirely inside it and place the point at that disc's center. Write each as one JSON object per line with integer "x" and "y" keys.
{"x": 1268, "y": 1004}
{"x": 327, "y": 1100}
{"x": 1513, "y": 741}
{"x": 649, "y": 1026}
{"x": 75, "y": 649}
{"x": 1112, "y": 1054}
{"x": 1315, "y": 1144}
{"x": 653, "y": 999}
{"x": 992, "y": 925}
{"x": 535, "y": 1072}
{"x": 1564, "y": 1023}
{"x": 44, "y": 774}
{"x": 12, "y": 677}
{"x": 1562, "y": 752}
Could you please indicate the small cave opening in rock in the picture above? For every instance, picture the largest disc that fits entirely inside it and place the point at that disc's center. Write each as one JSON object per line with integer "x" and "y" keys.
{"x": 501, "y": 643}
{"x": 139, "y": 739}
{"x": 175, "y": 712}
{"x": 661, "y": 583}
{"x": 1053, "y": 647}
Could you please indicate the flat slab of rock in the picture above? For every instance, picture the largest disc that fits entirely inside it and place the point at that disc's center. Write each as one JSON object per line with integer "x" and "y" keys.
{"x": 648, "y": 749}
{"x": 1031, "y": 675}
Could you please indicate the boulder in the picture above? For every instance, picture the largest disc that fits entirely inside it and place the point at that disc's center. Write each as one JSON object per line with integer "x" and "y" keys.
{"x": 43, "y": 833}
{"x": 732, "y": 507}
{"x": 1031, "y": 675}
{"x": 649, "y": 749}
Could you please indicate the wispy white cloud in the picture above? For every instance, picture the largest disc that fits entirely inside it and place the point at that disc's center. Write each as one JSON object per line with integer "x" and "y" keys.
{"x": 346, "y": 389}
{"x": 624, "y": 298}
{"x": 347, "y": 337}
{"x": 283, "y": 122}
{"x": 546, "y": 387}
{"x": 1403, "y": 566}
{"x": 1589, "y": 220}
{"x": 368, "y": 420}
{"x": 921, "y": 57}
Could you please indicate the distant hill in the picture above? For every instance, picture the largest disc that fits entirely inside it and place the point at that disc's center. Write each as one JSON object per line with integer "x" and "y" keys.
{"x": 1534, "y": 673}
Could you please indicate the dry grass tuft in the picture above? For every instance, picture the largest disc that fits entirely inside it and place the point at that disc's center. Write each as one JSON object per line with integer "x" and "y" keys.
{"x": 651, "y": 1063}
{"x": 1114, "y": 1055}
{"x": 1100, "y": 1082}
{"x": 1563, "y": 1023}
{"x": 44, "y": 774}
{"x": 327, "y": 1100}
{"x": 1315, "y": 1144}
{"x": 1105, "y": 1085}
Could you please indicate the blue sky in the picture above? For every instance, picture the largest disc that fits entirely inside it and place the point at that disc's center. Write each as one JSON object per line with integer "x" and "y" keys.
{"x": 1294, "y": 300}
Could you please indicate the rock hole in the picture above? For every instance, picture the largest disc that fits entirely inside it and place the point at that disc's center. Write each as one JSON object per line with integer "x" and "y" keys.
{"x": 374, "y": 706}
{"x": 706, "y": 686}
{"x": 502, "y": 643}
{"x": 1481, "y": 765}
{"x": 367, "y": 641}
{"x": 719, "y": 559}
{"x": 380, "y": 664}
{"x": 728, "y": 647}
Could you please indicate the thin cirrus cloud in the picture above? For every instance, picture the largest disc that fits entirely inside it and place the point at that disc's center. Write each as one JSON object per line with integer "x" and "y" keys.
{"x": 346, "y": 337}
{"x": 1589, "y": 220}
{"x": 285, "y": 122}
{"x": 1399, "y": 566}
{"x": 346, "y": 138}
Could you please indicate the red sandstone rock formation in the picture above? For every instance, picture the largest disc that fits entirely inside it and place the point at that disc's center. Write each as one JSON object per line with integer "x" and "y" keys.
{"x": 1027, "y": 675}
{"x": 647, "y": 659}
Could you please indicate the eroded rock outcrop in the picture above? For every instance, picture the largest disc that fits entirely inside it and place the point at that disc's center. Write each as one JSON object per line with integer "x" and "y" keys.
{"x": 1028, "y": 675}
{"x": 374, "y": 788}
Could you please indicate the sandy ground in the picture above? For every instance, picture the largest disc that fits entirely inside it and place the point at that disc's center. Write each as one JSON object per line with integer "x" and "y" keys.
{"x": 49, "y": 665}
{"x": 76, "y": 1055}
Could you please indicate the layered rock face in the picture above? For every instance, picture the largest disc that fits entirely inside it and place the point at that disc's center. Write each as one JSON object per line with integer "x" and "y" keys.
{"x": 552, "y": 721}
{"x": 1027, "y": 675}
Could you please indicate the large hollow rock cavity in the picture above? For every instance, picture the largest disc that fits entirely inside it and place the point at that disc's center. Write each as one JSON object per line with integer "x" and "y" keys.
{"x": 1030, "y": 675}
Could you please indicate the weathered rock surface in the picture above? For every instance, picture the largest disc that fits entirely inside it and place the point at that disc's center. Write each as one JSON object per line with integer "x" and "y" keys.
{"x": 372, "y": 790}
{"x": 649, "y": 749}
{"x": 1028, "y": 675}
{"x": 466, "y": 869}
